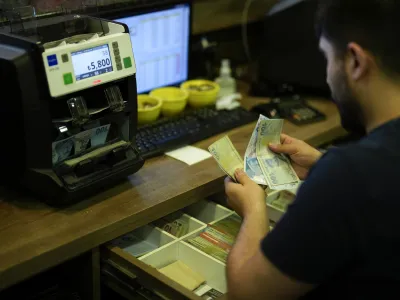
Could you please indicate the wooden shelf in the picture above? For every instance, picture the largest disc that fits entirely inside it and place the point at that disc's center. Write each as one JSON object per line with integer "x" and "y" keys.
{"x": 208, "y": 15}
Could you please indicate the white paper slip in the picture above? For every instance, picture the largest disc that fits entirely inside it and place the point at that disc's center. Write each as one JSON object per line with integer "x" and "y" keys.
{"x": 189, "y": 155}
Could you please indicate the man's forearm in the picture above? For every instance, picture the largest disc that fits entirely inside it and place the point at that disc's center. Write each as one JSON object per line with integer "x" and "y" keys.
{"x": 254, "y": 228}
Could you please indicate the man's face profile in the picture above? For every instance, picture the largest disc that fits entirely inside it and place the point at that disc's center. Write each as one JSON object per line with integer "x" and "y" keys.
{"x": 342, "y": 93}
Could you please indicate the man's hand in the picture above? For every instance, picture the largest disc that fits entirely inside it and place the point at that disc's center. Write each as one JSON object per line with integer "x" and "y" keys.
{"x": 250, "y": 275}
{"x": 245, "y": 197}
{"x": 303, "y": 156}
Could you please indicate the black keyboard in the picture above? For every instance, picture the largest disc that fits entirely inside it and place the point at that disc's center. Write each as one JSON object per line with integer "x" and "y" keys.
{"x": 188, "y": 128}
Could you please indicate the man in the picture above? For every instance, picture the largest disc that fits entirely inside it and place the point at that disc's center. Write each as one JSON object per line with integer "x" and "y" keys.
{"x": 340, "y": 239}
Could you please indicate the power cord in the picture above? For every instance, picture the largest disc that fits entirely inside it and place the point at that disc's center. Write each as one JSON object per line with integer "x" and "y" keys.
{"x": 245, "y": 17}
{"x": 245, "y": 39}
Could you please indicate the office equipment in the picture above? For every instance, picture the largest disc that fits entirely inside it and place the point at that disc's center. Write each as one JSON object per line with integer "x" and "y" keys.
{"x": 269, "y": 110}
{"x": 188, "y": 128}
{"x": 290, "y": 61}
{"x": 292, "y": 108}
{"x": 69, "y": 117}
{"x": 297, "y": 111}
{"x": 161, "y": 40}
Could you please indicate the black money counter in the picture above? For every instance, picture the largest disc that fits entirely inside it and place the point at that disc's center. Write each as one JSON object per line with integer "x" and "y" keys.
{"x": 69, "y": 106}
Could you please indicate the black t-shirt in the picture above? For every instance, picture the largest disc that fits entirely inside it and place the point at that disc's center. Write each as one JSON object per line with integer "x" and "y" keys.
{"x": 342, "y": 233}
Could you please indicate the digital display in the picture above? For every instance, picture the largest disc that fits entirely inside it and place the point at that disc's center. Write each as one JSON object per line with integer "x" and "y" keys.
{"x": 91, "y": 62}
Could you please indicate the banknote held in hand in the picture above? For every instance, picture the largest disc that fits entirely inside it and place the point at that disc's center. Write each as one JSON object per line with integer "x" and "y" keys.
{"x": 261, "y": 164}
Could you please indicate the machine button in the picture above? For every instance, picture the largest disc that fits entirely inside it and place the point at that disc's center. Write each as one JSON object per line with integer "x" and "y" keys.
{"x": 68, "y": 78}
{"x": 116, "y": 156}
{"x": 64, "y": 58}
{"x": 52, "y": 60}
{"x": 115, "y": 45}
{"x": 116, "y": 51}
{"x": 84, "y": 168}
{"x": 117, "y": 58}
{"x": 119, "y": 66}
{"x": 127, "y": 62}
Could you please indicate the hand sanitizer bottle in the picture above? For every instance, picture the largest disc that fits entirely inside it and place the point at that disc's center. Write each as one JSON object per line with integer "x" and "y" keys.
{"x": 226, "y": 82}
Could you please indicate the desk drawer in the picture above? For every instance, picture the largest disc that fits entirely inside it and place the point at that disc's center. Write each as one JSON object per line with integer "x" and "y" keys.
{"x": 139, "y": 254}
{"x": 161, "y": 249}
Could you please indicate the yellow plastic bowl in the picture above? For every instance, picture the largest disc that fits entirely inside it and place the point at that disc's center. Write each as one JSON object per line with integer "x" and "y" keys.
{"x": 174, "y": 100}
{"x": 201, "y": 98}
{"x": 148, "y": 115}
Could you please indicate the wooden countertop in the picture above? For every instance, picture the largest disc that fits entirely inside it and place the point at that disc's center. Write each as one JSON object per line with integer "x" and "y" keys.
{"x": 35, "y": 237}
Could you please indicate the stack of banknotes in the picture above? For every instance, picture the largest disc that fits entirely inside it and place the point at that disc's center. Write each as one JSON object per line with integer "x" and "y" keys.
{"x": 206, "y": 292}
{"x": 260, "y": 163}
{"x": 177, "y": 226}
{"x": 217, "y": 239}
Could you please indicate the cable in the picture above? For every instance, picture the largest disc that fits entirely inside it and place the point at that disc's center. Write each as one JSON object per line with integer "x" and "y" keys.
{"x": 245, "y": 39}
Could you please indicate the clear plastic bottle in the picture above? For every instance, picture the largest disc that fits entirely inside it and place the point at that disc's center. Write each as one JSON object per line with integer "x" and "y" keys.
{"x": 225, "y": 80}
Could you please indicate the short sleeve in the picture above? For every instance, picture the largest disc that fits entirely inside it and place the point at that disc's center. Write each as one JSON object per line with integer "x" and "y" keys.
{"x": 316, "y": 238}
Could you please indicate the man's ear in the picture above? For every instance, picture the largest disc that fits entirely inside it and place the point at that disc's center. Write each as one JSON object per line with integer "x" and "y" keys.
{"x": 358, "y": 61}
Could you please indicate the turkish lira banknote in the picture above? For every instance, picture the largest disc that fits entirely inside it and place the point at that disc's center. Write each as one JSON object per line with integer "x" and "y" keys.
{"x": 283, "y": 201}
{"x": 251, "y": 164}
{"x": 226, "y": 156}
{"x": 61, "y": 150}
{"x": 277, "y": 169}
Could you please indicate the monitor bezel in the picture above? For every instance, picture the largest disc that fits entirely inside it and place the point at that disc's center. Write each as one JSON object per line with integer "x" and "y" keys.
{"x": 141, "y": 10}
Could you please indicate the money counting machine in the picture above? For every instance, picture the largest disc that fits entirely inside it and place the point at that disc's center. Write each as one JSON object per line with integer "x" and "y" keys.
{"x": 69, "y": 106}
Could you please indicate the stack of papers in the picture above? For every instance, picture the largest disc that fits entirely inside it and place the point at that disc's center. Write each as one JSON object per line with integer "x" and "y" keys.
{"x": 182, "y": 274}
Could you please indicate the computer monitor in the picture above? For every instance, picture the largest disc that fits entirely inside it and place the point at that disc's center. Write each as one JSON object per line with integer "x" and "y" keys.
{"x": 290, "y": 54}
{"x": 160, "y": 40}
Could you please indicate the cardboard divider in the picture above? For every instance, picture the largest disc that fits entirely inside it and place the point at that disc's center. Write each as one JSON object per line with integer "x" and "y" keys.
{"x": 207, "y": 211}
{"x": 211, "y": 269}
{"x": 157, "y": 248}
{"x": 143, "y": 240}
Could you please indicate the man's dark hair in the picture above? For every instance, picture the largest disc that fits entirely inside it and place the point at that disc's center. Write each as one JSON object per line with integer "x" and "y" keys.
{"x": 373, "y": 24}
